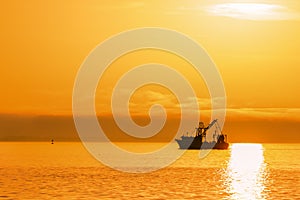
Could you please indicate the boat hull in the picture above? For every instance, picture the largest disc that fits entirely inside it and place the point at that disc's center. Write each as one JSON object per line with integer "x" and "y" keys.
{"x": 193, "y": 143}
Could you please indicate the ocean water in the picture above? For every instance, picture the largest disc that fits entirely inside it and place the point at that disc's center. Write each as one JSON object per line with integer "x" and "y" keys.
{"x": 39, "y": 170}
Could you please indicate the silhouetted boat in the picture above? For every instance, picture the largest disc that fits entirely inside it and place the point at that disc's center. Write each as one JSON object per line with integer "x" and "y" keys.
{"x": 198, "y": 141}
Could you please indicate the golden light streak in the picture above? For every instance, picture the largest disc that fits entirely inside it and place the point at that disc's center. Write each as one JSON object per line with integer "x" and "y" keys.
{"x": 246, "y": 172}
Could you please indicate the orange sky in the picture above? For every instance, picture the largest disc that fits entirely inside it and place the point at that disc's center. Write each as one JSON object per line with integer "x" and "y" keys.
{"x": 255, "y": 46}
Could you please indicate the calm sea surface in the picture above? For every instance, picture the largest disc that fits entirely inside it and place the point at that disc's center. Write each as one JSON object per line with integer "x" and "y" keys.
{"x": 37, "y": 170}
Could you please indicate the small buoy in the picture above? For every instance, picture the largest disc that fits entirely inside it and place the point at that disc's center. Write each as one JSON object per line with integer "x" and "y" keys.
{"x": 52, "y": 141}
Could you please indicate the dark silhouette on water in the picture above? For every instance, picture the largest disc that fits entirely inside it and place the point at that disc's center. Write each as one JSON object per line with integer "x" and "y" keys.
{"x": 199, "y": 140}
{"x": 52, "y": 141}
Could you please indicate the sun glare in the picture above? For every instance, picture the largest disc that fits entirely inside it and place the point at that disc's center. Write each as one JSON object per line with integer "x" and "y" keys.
{"x": 250, "y": 11}
{"x": 246, "y": 171}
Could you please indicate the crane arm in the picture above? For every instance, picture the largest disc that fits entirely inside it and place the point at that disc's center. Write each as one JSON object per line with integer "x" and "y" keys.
{"x": 211, "y": 124}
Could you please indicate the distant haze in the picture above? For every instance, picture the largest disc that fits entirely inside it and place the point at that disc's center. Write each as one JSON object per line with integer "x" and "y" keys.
{"x": 61, "y": 128}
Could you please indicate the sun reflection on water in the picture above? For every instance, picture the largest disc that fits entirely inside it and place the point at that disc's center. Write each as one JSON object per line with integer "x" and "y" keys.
{"x": 246, "y": 172}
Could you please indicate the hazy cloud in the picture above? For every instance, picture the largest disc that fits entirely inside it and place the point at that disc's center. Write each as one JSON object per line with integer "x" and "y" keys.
{"x": 253, "y": 11}
{"x": 245, "y": 11}
{"x": 292, "y": 114}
